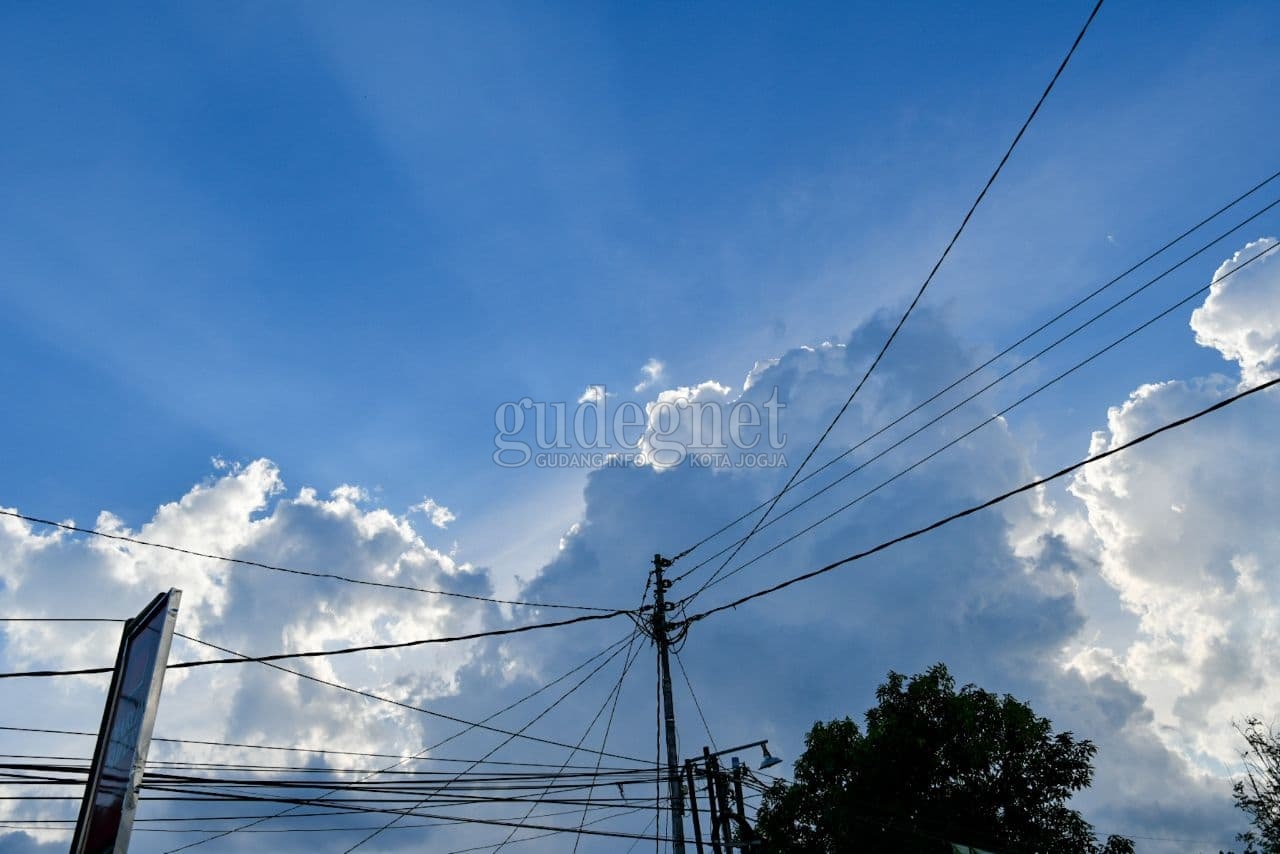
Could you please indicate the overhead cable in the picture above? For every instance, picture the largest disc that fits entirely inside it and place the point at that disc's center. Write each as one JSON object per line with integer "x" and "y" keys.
{"x": 718, "y": 579}
{"x": 1004, "y": 352}
{"x": 412, "y": 708}
{"x": 438, "y": 744}
{"x": 512, "y": 736}
{"x": 93, "y": 532}
{"x": 923, "y": 287}
{"x": 1235, "y": 398}
{"x": 325, "y": 653}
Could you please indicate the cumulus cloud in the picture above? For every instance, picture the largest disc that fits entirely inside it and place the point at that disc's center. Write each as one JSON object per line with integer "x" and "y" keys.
{"x": 246, "y": 512}
{"x": 1168, "y": 534}
{"x": 1241, "y": 316}
{"x": 1144, "y": 554}
{"x": 758, "y": 370}
{"x": 594, "y": 393}
{"x": 1178, "y": 530}
{"x": 439, "y": 515}
{"x": 1175, "y": 527}
{"x": 675, "y": 423}
{"x": 994, "y": 597}
{"x": 654, "y": 372}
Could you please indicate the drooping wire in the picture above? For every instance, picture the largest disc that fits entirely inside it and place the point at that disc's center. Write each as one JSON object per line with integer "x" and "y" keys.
{"x": 318, "y": 750}
{"x": 644, "y": 834}
{"x": 61, "y": 620}
{"x": 325, "y": 653}
{"x": 969, "y": 511}
{"x": 1005, "y": 352}
{"x": 604, "y": 740}
{"x": 517, "y": 734}
{"x": 438, "y": 744}
{"x": 409, "y": 707}
{"x": 629, "y": 641}
{"x": 390, "y": 811}
{"x": 43, "y": 825}
{"x": 611, "y": 817}
{"x": 627, "y": 661}
{"x": 711, "y": 582}
{"x": 696, "y": 704}
{"x": 93, "y": 532}
{"x": 923, "y": 287}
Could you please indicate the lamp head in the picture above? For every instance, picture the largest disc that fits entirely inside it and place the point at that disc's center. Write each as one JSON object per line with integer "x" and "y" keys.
{"x": 769, "y": 759}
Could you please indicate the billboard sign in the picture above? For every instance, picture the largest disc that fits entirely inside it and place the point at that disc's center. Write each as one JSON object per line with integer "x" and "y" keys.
{"x": 111, "y": 795}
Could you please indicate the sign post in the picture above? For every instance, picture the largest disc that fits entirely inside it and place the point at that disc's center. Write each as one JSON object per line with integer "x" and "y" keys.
{"x": 111, "y": 795}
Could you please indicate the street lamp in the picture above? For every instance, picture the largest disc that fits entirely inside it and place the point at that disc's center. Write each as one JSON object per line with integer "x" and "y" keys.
{"x": 769, "y": 759}
{"x": 721, "y": 815}
{"x": 767, "y": 762}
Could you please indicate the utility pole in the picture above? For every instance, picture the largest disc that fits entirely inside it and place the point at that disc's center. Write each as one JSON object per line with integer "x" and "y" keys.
{"x": 660, "y": 629}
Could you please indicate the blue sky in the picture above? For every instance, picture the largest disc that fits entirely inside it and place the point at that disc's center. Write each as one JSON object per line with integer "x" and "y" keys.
{"x": 342, "y": 239}
{"x": 339, "y": 238}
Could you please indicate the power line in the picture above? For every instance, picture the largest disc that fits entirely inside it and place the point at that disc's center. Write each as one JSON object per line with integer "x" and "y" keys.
{"x": 43, "y": 823}
{"x": 696, "y": 704}
{"x": 717, "y": 576}
{"x": 986, "y": 504}
{"x": 451, "y": 818}
{"x": 480, "y": 788}
{"x": 325, "y": 653}
{"x": 630, "y": 641}
{"x": 553, "y": 833}
{"x": 520, "y": 732}
{"x": 61, "y": 620}
{"x": 445, "y": 741}
{"x": 989, "y": 420}
{"x": 1009, "y": 349}
{"x": 652, "y": 823}
{"x": 477, "y": 794}
{"x": 559, "y": 777}
{"x": 604, "y": 740}
{"x": 412, "y": 708}
{"x": 627, "y": 661}
{"x": 320, "y": 750}
{"x": 309, "y": 769}
{"x": 923, "y": 287}
{"x": 273, "y": 568}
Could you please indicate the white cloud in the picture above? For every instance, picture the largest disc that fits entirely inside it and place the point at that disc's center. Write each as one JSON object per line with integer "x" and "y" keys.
{"x": 1179, "y": 528}
{"x": 654, "y": 372}
{"x": 594, "y": 393}
{"x": 245, "y": 513}
{"x": 1003, "y": 597}
{"x": 1241, "y": 316}
{"x": 1176, "y": 527}
{"x": 439, "y": 515}
{"x": 574, "y": 530}
{"x": 673, "y": 417}
{"x": 758, "y": 370}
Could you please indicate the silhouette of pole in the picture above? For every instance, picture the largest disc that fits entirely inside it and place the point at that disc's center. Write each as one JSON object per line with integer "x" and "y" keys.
{"x": 661, "y": 628}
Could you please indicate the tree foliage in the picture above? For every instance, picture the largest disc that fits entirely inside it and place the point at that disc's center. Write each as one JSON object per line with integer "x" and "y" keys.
{"x": 1258, "y": 794}
{"x": 935, "y": 766}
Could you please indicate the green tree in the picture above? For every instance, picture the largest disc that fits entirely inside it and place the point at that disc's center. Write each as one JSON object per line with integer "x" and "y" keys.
{"x": 1258, "y": 794}
{"x": 935, "y": 766}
